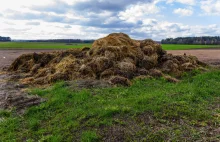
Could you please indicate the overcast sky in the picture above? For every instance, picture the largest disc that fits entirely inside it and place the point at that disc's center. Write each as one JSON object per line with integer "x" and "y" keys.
{"x": 91, "y": 19}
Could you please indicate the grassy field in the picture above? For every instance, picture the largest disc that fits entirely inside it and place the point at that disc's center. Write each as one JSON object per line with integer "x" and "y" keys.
{"x": 40, "y": 45}
{"x": 185, "y": 47}
{"x": 34, "y": 45}
{"x": 149, "y": 110}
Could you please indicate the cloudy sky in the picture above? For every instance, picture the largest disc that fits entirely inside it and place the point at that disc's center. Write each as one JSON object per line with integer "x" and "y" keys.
{"x": 91, "y": 19}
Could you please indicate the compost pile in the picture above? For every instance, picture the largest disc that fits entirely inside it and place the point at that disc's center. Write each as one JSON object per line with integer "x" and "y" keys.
{"x": 116, "y": 59}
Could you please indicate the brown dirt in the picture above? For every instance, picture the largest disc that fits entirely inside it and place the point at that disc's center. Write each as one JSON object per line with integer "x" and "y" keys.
{"x": 12, "y": 95}
{"x": 210, "y": 56}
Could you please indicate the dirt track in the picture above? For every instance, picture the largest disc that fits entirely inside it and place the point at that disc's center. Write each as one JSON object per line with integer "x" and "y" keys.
{"x": 211, "y": 56}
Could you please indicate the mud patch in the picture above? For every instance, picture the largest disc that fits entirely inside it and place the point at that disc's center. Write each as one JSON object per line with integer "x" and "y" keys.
{"x": 87, "y": 84}
{"x": 12, "y": 96}
{"x": 145, "y": 127}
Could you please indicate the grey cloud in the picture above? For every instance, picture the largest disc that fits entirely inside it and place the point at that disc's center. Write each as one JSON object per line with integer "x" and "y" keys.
{"x": 177, "y": 28}
{"x": 67, "y": 26}
{"x": 33, "y": 23}
{"x": 57, "y": 7}
{"x": 40, "y": 16}
{"x": 92, "y": 22}
{"x": 207, "y": 31}
{"x": 100, "y": 22}
{"x": 90, "y": 5}
{"x": 17, "y": 30}
{"x": 91, "y": 10}
{"x": 109, "y": 5}
{"x": 9, "y": 23}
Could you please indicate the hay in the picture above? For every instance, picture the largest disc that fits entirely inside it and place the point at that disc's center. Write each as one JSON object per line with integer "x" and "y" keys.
{"x": 99, "y": 64}
{"x": 20, "y": 64}
{"x": 149, "y": 62}
{"x": 86, "y": 72}
{"x": 148, "y": 50}
{"x": 188, "y": 66}
{"x": 114, "y": 39}
{"x": 65, "y": 64}
{"x": 105, "y": 75}
{"x": 35, "y": 68}
{"x": 178, "y": 64}
{"x": 27, "y": 81}
{"x": 148, "y": 43}
{"x": 171, "y": 79}
{"x": 119, "y": 80}
{"x": 170, "y": 66}
{"x": 116, "y": 58}
{"x": 155, "y": 73}
{"x": 128, "y": 67}
{"x": 130, "y": 60}
{"x": 142, "y": 71}
{"x": 143, "y": 77}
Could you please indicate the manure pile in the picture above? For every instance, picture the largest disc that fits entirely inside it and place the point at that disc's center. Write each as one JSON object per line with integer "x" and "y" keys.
{"x": 116, "y": 59}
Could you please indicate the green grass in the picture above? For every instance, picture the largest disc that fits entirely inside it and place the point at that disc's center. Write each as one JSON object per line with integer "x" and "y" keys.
{"x": 185, "y": 47}
{"x": 149, "y": 110}
{"x": 41, "y": 45}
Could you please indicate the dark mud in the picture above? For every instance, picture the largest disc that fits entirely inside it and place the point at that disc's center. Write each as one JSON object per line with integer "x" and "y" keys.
{"x": 12, "y": 95}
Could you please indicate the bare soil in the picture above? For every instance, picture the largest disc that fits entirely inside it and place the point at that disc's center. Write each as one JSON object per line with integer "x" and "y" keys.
{"x": 210, "y": 56}
{"x": 11, "y": 95}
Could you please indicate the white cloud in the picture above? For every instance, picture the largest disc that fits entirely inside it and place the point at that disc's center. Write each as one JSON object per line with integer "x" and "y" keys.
{"x": 211, "y": 7}
{"x": 183, "y": 11}
{"x": 163, "y": 29}
{"x": 138, "y": 12}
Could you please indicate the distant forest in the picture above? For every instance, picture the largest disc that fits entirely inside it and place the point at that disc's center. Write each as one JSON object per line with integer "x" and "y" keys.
{"x": 8, "y": 39}
{"x": 59, "y": 41}
{"x": 207, "y": 40}
{"x": 5, "y": 39}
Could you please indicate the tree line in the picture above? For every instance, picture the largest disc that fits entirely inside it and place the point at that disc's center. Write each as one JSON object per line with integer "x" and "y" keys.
{"x": 5, "y": 39}
{"x": 206, "y": 40}
{"x": 59, "y": 41}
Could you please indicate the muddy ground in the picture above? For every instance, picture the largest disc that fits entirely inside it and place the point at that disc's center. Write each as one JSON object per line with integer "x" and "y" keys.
{"x": 11, "y": 95}
{"x": 211, "y": 56}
